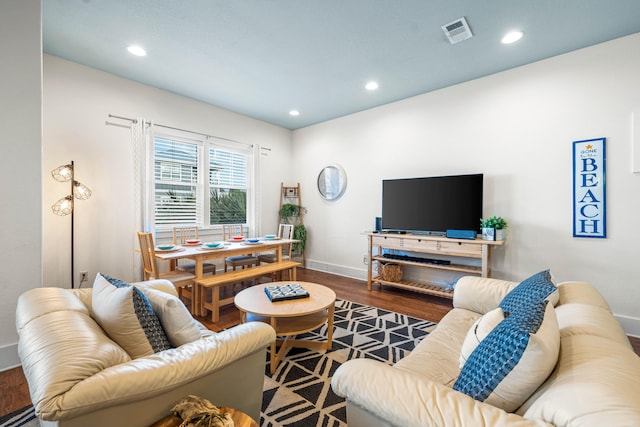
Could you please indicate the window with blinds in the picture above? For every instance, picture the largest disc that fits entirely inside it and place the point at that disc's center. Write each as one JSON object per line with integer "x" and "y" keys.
{"x": 191, "y": 178}
{"x": 227, "y": 187}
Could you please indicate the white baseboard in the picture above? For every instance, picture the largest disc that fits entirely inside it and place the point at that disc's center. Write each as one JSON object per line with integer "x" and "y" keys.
{"x": 9, "y": 357}
{"x": 340, "y": 270}
{"x": 631, "y": 325}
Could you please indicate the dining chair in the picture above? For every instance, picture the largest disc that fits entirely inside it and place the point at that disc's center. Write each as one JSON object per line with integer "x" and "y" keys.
{"x": 232, "y": 230}
{"x": 182, "y": 280}
{"x": 285, "y": 231}
{"x": 180, "y": 237}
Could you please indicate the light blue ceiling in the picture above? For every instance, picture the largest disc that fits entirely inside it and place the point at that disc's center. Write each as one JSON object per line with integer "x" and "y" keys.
{"x": 263, "y": 58}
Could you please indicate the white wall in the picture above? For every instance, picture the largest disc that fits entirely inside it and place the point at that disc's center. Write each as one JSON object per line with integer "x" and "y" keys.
{"x": 20, "y": 163}
{"x": 516, "y": 127}
{"x": 77, "y": 102}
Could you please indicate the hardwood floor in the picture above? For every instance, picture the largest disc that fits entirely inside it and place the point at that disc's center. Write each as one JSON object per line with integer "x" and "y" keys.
{"x": 15, "y": 394}
{"x": 411, "y": 303}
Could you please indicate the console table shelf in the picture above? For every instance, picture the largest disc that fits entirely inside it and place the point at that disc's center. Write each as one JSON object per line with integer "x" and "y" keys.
{"x": 442, "y": 246}
{"x": 425, "y": 288}
{"x": 471, "y": 269}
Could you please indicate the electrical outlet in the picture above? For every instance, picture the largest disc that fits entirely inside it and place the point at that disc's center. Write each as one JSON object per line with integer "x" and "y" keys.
{"x": 83, "y": 276}
{"x": 365, "y": 259}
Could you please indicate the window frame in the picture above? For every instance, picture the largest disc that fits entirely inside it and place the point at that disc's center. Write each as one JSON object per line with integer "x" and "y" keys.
{"x": 203, "y": 145}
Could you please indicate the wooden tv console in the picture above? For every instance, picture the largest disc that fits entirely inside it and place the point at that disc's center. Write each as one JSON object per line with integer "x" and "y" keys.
{"x": 419, "y": 244}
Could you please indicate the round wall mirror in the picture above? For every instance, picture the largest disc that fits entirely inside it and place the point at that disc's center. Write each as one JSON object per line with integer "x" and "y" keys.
{"x": 332, "y": 181}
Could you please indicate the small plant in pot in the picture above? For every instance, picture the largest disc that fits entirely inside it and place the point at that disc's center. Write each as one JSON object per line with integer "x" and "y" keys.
{"x": 493, "y": 228}
{"x": 290, "y": 213}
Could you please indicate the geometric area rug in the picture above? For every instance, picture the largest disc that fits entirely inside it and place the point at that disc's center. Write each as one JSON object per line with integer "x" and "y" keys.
{"x": 25, "y": 417}
{"x": 299, "y": 393}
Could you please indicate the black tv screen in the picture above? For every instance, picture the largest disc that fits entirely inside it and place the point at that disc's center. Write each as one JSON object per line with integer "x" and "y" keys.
{"x": 432, "y": 204}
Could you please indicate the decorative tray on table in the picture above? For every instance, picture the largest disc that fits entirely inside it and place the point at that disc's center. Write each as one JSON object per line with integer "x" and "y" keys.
{"x": 285, "y": 292}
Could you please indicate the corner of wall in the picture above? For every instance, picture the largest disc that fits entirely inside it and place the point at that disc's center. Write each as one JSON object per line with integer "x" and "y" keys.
{"x": 9, "y": 357}
{"x": 631, "y": 325}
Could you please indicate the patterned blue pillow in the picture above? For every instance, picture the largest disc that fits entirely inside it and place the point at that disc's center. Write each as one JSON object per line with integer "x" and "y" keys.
{"x": 530, "y": 291}
{"x": 126, "y": 315}
{"x": 514, "y": 359}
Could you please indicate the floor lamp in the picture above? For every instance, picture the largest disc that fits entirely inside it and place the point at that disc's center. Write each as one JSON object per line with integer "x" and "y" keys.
{"x": 65, "y": 206}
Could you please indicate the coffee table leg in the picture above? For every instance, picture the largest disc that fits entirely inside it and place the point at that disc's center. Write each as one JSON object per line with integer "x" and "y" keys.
{"x": 330, "y": 325}
{"x": 274, "y": 353}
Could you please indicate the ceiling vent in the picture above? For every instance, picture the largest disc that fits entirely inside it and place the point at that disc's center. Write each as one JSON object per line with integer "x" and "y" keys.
{"x": 457, "y": 31}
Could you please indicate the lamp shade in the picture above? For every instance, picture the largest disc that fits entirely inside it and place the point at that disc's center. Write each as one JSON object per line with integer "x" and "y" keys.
{"x": 63, "y": 206}
{"x": 62, "y": 173}
{"x": 81, "y": 191}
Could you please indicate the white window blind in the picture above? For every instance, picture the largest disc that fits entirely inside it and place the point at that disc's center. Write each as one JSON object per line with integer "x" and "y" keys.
{"x": 176, "y": 178}
{"x": 193, "y": 177}
{"x": 227, "y": 187}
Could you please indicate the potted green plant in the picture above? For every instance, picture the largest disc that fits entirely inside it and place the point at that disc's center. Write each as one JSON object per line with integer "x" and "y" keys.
{"x": 300, "y": 233}
{"x": 290, "y": 213}
{"x": 493, "y": 228}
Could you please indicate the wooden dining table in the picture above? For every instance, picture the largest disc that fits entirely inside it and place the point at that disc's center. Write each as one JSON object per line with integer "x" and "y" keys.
{"x": 201, "y": 254}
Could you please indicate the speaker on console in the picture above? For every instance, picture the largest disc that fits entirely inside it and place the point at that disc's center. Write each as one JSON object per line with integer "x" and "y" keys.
{"x": 461, "y": 234}
{"x": 378, "y": 224}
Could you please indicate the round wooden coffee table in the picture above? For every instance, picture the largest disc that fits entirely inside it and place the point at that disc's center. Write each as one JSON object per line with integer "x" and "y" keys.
{"x": 289, "y": 318}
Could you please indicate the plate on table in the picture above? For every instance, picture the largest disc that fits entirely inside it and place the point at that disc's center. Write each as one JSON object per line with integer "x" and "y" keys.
{"x": 236, "y": 239}
{"x": 271, "y": 237}
{"x": 212, "y": 246}
{"x": 168, "y": 248}
{"x": 252, "y": 242}
{"x": 192, "y": 243}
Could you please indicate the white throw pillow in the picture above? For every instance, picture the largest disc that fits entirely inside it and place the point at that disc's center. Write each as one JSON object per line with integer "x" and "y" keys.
{"x": 514, "y": 359}
{"x": 126, "y": 315}
{"x": 175, "y": 318}
{"x": 478, "y": 331}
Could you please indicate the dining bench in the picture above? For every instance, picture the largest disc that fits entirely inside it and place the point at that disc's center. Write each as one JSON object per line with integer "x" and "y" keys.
{"x": 216, "y": 281}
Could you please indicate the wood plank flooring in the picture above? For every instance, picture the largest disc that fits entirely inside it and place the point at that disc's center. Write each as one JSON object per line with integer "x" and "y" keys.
{"x": 15, "y": 393}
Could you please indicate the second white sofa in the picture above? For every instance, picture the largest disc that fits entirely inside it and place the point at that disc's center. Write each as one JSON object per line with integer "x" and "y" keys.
{"x": 594, "y": 379}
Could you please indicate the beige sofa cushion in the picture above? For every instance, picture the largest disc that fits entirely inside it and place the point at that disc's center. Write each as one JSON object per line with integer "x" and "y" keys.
{"x": 436, "y": 357}
{"x": 581, "y": 292}
{"x": 480, "y": 295}
{"x": 595, "y": 383}
{"x": 126, "y": 315}
{"x": 57, "y": 299}
{"x": 56, "y": 336}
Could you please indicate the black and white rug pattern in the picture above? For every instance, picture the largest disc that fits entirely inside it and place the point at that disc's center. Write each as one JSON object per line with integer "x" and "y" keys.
{"x": 299, "y": 392}
{"x": 25, "y": 417}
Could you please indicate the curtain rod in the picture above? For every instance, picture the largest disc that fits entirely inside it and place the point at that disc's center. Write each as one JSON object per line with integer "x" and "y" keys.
{"x": 178, "y": 129}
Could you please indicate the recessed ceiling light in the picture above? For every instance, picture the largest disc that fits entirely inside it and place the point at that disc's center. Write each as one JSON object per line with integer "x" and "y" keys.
{"x": 512, "y": 37}
{"x": 137, "y": 50}
{"x": 371, "y": 85}
{"x": 294, "y": 113}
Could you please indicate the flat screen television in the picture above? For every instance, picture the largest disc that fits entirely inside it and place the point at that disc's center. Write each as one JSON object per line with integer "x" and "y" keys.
{"x": 432, "y": 205}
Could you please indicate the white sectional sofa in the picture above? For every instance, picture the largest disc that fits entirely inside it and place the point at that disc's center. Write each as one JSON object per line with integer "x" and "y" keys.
{"x": 79, "y": 376}
{"x": 593, "y": 380}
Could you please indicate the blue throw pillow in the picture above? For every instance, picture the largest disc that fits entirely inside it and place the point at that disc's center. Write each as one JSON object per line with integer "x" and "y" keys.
{"x": 514, "y": 359}
{"x": 530, "y": 291}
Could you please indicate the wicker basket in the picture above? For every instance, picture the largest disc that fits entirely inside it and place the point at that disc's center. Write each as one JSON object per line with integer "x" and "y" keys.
{"x": 391, "y": 272}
